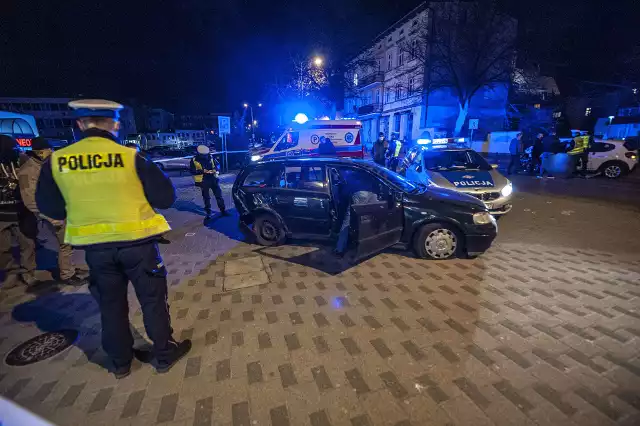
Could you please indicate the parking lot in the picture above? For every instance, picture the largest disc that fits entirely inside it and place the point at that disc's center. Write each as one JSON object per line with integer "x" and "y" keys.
{"x": 543, "y": 329}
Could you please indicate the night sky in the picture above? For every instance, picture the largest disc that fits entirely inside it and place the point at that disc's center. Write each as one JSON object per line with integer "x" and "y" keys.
{"x": 211, "y": 55}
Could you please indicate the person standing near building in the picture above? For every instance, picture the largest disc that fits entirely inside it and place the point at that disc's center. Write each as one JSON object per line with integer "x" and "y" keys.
{"x": 379, "y": 149}
{"x": 17, "y": 224}
{"x": 107, "y": 194}
{"x": 206, "y": 170}
{"x": 515, "y": 149}
{"x": 47, "y": 227}
{"x": 393, "y": 152}
{"x": 536, "y": 152}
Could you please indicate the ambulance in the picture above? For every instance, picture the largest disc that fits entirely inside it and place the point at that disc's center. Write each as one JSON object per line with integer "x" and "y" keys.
{"x": 304, "y": 140}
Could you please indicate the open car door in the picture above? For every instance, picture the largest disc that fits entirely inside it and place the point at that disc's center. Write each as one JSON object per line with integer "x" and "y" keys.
{"x": 377, "y": 225}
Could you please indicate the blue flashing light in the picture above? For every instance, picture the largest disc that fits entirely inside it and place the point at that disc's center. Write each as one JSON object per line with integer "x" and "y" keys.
{"x": 301, "y": 118}
{"x": 460, "y": 139}
{"x": 424, "y": 141}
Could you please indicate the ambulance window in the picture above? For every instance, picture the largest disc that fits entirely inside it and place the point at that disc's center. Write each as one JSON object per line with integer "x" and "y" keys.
{"x": 289, "y": 140}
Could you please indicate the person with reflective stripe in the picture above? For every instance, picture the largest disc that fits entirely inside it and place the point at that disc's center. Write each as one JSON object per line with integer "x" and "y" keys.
{"x": 107, "y": 193}
{"x": 205, "y": 170}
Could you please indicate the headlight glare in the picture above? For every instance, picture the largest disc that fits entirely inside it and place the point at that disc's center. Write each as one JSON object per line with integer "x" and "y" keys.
{"x": 507, "y": 190}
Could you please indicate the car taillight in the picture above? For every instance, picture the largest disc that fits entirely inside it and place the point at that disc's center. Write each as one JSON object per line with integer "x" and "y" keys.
{"x": 631, "y": 155}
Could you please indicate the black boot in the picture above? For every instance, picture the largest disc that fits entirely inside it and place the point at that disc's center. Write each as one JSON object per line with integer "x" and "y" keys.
{"x": 174, "y": 355}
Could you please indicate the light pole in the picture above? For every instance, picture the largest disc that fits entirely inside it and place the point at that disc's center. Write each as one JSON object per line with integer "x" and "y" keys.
{"x": 254, "y": 122}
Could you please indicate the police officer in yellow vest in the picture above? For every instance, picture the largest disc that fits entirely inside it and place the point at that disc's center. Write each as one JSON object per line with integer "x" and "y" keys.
{"x": 581, "y": 150}
{"x": 205, "y": 170}
{"x": 107, "y": 193}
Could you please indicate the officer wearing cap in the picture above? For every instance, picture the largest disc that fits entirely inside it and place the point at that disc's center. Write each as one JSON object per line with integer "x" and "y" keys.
{"x": 205, "y": 170}
{"x": 107, "y": 194}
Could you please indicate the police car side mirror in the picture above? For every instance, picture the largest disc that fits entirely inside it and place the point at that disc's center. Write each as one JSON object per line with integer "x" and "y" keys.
{"x": 494, "y": 166}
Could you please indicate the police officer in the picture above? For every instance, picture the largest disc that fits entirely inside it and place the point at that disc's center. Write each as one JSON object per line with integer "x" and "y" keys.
{"x": 393, "y": 152}
{"x": 205, "y": 170}
{"x": 580, "y": 150}
{"x": 106, "y": 192}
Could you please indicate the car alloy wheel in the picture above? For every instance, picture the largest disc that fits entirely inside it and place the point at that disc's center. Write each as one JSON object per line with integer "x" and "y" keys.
{"x": 269, "y": 231}
{"x": 613, "y": 171}
{"x": 441, "y": 243}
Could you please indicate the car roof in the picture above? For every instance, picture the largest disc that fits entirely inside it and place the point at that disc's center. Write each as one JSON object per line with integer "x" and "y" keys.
{"x": 330, "y": 161}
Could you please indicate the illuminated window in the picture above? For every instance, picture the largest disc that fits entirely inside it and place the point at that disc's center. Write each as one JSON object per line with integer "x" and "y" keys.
{"x": 389, "y": 62}
{"x": 587, "y": 112}
{"x": 410, "y": 87}
{"x": 355, "y": 79}
{"x": 635, "y": 91}
{"x": 387, "y": 96}
{"x": 400, "y": 59}
{"x": 537, "y": 106}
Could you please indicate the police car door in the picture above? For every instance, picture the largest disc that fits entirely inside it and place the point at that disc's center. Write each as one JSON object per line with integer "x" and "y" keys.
{"x": 378, "y": 224}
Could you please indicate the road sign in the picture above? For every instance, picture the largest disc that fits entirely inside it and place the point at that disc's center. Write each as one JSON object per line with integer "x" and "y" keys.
{"x": 224, "y": 125}
{"x": 473, "y": 123}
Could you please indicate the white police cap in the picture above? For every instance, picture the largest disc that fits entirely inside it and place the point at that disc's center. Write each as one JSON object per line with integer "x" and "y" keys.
{"x": 96, "y": 108}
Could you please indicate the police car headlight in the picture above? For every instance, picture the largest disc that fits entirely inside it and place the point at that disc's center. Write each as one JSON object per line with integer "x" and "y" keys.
{"x": 256, "y": 157}
{"x": 507, "y": 190}
{"x": 482, "y": 218}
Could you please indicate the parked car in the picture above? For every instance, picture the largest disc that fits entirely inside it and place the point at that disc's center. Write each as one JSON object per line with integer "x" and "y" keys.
{"x": 307, "y": 198}
{"x": 612, "y": 158}
{"x": 463, "y": 170}
{"x": 170, "y": 159}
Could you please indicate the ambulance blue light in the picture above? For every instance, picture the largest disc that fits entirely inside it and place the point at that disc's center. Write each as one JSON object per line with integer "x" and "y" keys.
{"x": 460, "y": 139}
{"x": 301, "y": 118}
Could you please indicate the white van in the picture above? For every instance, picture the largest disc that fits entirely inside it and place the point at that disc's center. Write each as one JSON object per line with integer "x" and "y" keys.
{"x": 305, "y": 140}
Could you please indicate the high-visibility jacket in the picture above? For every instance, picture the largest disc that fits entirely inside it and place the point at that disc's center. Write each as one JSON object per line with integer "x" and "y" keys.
{"x": 197, "y": 168}
{"x": 581, "y": 145}
{"x": 398, "y": 147}
{"x": 104, "y": 198}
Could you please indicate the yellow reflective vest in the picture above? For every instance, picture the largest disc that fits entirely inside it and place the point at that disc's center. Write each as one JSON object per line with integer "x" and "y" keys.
{"x": 197, "y": 178}
{"x": 103, "y": 194}
{"x": 398, "y": 148}
{"x": 581, "y": 144}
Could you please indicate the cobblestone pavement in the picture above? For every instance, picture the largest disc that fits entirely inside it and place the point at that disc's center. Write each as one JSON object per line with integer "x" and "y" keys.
{"x": 544, "y": 329}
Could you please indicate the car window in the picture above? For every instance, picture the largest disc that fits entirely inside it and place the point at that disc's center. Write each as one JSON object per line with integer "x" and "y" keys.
{"x": 356, "y": 180}
{"x": 602, "y": 147}
{"x": 303, "y": 177}
{"x": 262, "y": 178}
{"x": 289, "y": 140}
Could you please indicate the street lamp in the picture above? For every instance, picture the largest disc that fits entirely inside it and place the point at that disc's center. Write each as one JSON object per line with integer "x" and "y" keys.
{"x": 317, "y": 61}
{"x": 246, "y": 105}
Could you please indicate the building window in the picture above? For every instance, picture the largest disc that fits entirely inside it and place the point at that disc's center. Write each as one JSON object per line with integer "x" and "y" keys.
{"x": 400, "y": 59}
{"x": 398, "y": 92}
{"x": 536, "y": 106}
{"x": 410, "y": 87}
{"x": 396, "y": 123}
{"x": 557, "y": 114}
{"x": 389, "y": 62}
{"x": 414, "y": 49}
{"x": 355, "y": 79}
{"x": 587, "y": 112}
{"x": 387, "y": 96}
{"x": 379, "y": 65}
{"x": 378, "y": 96}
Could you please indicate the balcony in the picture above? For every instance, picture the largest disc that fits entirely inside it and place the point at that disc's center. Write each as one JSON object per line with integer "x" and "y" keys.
{"x": 371, "y": 80}
{"x": 370, "y": 109}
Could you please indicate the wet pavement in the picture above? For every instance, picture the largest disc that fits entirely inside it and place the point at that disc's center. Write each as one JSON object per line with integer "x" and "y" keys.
{"x": 544, "y": 329}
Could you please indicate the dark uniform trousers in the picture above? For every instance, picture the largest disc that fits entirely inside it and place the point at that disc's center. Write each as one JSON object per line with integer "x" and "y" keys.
{"x": 111, "y": 270}
{"x": 213, "y": 185}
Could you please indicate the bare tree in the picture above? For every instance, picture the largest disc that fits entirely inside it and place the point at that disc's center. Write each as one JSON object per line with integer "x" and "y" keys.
{"x": 465, "y": 47}
{"x": 362, "y": 65}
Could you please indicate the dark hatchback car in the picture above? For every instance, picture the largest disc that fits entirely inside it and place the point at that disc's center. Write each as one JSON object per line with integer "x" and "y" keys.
{"x": 308, "y": 198}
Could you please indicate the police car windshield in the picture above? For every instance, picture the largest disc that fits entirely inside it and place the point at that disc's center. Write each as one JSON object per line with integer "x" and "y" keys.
{"x": 441, "y": 160}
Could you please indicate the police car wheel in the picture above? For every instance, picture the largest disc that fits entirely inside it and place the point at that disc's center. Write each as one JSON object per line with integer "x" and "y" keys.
{"x": 614, "y": 169}
{"x": 438, "y": 241}
{"x": 268, "y": 230}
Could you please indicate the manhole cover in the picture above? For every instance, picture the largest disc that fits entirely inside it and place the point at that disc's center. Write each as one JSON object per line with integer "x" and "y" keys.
{"x": 41, "y": 347}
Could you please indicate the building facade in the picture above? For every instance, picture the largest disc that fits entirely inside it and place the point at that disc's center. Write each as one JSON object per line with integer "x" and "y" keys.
{"x": 385, "y": 88}
{"x": 56, "y": 120}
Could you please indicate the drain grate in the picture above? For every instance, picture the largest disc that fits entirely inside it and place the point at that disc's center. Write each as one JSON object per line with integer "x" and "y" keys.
{"x": 41, "y": 347}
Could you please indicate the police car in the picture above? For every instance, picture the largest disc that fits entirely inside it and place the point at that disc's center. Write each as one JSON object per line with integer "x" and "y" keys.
{"x": 455, "y": 166}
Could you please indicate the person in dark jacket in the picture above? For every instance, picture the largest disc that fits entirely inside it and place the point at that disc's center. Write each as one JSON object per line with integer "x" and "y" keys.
{"x": 17, "y": 224}
{"x": 326, "y": 147}
{"x": 515, "y": 149}
{"x": 48, "y": 228}
{"x": 379, "y": 149}
{"x": 536, "y": 152}
{"x": 107, "y": 194}
{"x": 205, "y": 170}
